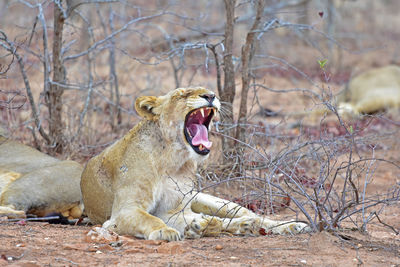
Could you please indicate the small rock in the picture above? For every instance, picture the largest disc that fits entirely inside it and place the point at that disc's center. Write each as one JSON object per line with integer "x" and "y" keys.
{"x": 218, "y": 247}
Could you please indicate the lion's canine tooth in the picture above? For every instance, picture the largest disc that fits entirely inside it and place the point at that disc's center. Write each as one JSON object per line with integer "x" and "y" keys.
{"x": 202, "y": 112}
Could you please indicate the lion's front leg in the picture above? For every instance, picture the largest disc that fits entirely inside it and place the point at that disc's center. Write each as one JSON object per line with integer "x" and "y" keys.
{"x": 255, "y": 225}
{"x": 241, "y": 221}
{"x": 284, "y": 227}
{"x": 215, "y": 206}
{"x": 206, "y": 225}
{"x": 139, "y": 223}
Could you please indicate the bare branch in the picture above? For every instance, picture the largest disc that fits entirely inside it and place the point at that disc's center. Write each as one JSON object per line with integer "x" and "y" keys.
{"x": 112, "y": 35}
{"x": 9, "y": 46}
{"x": 247, "y": 55}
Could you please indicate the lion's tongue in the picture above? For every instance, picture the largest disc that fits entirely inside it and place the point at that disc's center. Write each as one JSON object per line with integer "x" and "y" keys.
{"x": 200, "y": 135}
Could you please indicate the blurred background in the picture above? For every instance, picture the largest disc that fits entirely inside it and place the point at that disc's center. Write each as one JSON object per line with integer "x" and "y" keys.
{"x": 85, "y": 62}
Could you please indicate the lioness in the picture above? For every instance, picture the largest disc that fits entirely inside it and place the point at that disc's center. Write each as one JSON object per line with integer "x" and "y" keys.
{"x": 32, "y": 182}
{"x": 372, "y": 91}
{"x": 141, "y": 185}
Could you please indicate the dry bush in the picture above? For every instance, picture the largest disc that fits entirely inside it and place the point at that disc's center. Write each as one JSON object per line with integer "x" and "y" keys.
{"x": 114, "y": 51}
{"x": 327, "y": 173}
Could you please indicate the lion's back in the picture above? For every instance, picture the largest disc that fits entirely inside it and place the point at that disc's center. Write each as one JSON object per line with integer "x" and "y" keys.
{"x": 376, "y": 83}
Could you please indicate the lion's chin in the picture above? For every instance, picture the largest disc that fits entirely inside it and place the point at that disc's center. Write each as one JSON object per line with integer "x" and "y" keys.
{"x": 197, "y": 122}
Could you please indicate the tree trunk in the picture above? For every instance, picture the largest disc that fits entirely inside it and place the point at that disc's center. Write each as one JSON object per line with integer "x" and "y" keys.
{"x": 227, "y": 93}
{"x": 54, "y": 100}
{"x": 247, "y": 54}
{"x": 113, "y": 73}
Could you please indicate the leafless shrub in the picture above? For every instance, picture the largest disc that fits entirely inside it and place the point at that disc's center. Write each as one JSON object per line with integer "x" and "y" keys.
{"x": 325, "y": 171}
{"x": 88, "y": 60}
{"x": 12, "y": 99}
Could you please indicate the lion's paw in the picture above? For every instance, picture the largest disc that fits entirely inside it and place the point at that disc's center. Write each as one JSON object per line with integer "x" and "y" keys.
{"x": 204, "y": 226}
{"x": 291, "y": 228}
{"x": 193, "y": 230}
{"x": 245, "y": 225}
{"x": 11, "y": 213}
{"x": 166, "y": 233}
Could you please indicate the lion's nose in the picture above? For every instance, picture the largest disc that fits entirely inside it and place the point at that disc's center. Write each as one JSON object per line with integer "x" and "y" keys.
{"x": 209, "y": 97}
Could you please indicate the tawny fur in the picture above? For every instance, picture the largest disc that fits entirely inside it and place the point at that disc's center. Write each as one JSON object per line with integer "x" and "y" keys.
{"x": 372, "y": 91}
{"x": 35, "y": 183}
{"x": 141, "y": 185}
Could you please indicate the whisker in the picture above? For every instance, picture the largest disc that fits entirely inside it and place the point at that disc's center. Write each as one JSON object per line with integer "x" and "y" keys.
{"x": 224, "y": 103}
{"x": 225, "y": 110}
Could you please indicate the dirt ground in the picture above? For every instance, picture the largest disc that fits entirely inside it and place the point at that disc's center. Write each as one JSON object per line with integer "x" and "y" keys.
{"x": 43, "y": 244}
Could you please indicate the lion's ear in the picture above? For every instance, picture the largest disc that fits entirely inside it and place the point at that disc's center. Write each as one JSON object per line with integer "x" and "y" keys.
{"x": 148, "y": 106}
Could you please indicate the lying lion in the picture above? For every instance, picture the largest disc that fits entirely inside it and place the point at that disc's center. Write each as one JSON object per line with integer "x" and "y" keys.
{"x": 141, "y": 185}
{"x": 372, "y": 91}
{"x": 32, "y": 182}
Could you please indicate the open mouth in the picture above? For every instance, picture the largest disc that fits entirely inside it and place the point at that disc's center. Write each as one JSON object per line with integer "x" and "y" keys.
{"x": 196, "y": 129}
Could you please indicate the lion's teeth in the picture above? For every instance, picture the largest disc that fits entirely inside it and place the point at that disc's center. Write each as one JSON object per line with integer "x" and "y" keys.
{"x": 202, "y": 112}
